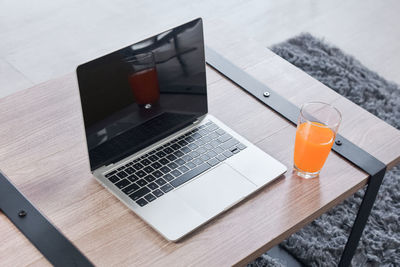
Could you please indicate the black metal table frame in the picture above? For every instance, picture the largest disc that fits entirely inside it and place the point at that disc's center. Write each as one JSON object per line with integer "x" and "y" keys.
{"x": 359, "y": 157}
{"x": 61, "y": 252}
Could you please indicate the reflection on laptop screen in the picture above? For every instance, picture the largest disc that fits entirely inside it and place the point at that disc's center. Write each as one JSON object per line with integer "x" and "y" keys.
{"x": 142, "y": 93}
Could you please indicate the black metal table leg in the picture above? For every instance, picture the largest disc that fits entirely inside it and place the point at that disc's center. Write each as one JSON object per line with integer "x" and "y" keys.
{"x": 364, "y": 210}
{"x": 359, "y": 157}
{"x": 47, "y": 239}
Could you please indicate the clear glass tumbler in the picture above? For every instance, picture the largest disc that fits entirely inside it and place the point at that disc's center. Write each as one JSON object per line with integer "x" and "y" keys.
{"x": 316, "y": 131}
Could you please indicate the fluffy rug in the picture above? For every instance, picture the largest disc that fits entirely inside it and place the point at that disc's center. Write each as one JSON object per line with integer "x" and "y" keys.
{"x": 321, "y": 242}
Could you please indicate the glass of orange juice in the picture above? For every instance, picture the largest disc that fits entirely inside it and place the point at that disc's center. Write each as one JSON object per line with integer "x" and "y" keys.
{"x": 316, "y": 131}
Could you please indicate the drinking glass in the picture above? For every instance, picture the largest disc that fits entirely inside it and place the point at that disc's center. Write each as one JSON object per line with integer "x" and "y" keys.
{"x": 143, "y": 79}
{"x": 316, "y": 131}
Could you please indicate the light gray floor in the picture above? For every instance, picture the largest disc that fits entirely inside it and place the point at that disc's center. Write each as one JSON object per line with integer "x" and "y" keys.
{"x": 43, "y": 39}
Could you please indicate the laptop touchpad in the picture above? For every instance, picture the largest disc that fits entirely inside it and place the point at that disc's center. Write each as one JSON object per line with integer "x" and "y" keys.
{"x": 216, "y": 190}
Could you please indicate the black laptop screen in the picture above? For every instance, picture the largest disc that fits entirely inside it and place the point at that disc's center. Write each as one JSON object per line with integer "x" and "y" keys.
{"x": 142, "y": 93}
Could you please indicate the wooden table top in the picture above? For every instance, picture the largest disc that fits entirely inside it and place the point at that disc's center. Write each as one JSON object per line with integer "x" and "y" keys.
{"x": 42, "y": 151}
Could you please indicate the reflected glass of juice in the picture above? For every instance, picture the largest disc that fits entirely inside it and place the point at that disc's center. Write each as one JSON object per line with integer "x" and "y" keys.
{"x": 316, "y": 131}
{"x": 143, "y": 80}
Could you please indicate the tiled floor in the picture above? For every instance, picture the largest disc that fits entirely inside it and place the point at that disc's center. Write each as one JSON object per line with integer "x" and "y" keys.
{"x": 40, "y": 40}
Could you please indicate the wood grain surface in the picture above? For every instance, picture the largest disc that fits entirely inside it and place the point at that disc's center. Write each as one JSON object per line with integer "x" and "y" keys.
{"x": 42, "y": 151}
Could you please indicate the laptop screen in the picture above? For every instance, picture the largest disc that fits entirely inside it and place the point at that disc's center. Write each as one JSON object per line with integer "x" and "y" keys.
{"x": 142, "y": 93}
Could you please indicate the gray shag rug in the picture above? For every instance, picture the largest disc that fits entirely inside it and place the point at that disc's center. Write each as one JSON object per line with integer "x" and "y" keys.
{"x": 321, "y": 242}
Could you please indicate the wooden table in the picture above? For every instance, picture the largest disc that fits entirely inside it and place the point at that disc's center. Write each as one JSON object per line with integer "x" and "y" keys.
{"x": 42, "y": 151}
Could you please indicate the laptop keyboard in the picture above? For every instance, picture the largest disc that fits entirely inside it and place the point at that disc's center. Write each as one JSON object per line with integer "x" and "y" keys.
{"x": 168, "y": 166}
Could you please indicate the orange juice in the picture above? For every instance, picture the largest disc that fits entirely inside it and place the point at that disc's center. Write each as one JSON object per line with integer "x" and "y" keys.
{"x": 312, "y": 146}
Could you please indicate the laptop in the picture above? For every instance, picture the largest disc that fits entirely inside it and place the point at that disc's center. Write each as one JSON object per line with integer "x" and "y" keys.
{"x": 151, "y": 141}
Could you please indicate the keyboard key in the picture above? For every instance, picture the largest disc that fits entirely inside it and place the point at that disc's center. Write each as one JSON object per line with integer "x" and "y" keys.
{"x": 241, "y": 146}
{"x": 152, "y": 186}
{"x": 168, "y": 150}
{"x": 185, "y": 150}
{"x": 212, "y": 127}
{"x": 159, "y": 148}
{"x": 168, "y": 177}
{"x": 201, "y": 150}
{"x": 141, "y": 202}
{"x": 202, "y": 132}
{"x": 183, "y": 169}
{"x": 113, "y": 179}
{"x": 206, "y": 139}
{"x": 176, "y": 173}
{"x": 192, "y": 146}
{"x": 158, "y": 193}
{"x": 137, "y": 166}
{"x": 133, "y": 178}
{"x": 204, "y": 157}
{"x": 121, "y": 184}
{"x": 171, "y": 157}
{"x": 173, "y": 165}
{"x": 157, "y": 174}
{"x": 220, "y": 132}
{"x": 213, "y": 135}
{"x": 211, "y": 154}
{"x": 230, "y": 143}
{"x": 198, "y": 161}
{"x": 182, "y": 143}
{"x": 227, "y": 154}
{"x": 189, "y": 139}
{"x": 180, "y": 162}
{"x": 190, "y": 165}
{"x": 165, "y": 169}
{"x": 150, "y": 197}
{"x": 110, "y": 173}
{"x": 235, "y": 150}
{"x": 121, "y": 168}
{"x": 148, "y": 169}
{"x": 140, "y": 174}
{"x": 213, "y": 161}
{"x": 178, "y": 153}
{"x": 161, "y": 154}
{"x": 164, "y": 161}
{"x": 149, "y": 178}
{"x": 122, "y": 174}
{"x": 196, "y": 135}
{"x": 208, "y": 147}
{"x": 190, "y": 174}
{"x": 194, "y": 154}
{"x": 218, "y": 150}
{"x": 224, "y": 138}
{"x": 145, "y": 162}
{"x": 153, "y": 158}
{"x": 221, "y": 157}
{"x": 142, "y": 182}
{"x": 156, "y": 165}
{"x": 129, "y": 170}
{"x": 187, "y": 158}
{"x": 166, "y": 188}
{"x": 161, "y": 182}
{"x": 130, "y": 189}
{"x": 214, "y": 144}
{"x": 200, "y": 142}
{"x": 176, "y": 146}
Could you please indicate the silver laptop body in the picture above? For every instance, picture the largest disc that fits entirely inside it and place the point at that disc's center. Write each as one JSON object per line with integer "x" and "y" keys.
{"x": 153, "y": 144}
